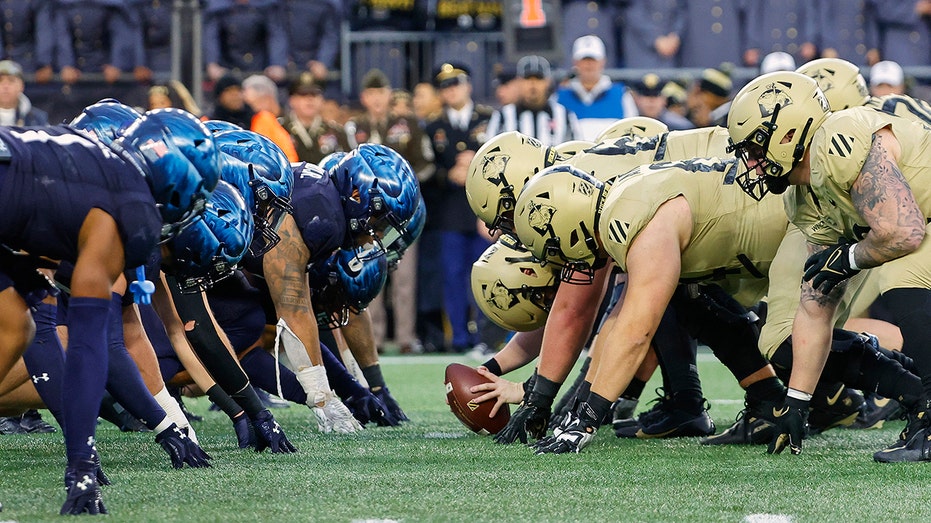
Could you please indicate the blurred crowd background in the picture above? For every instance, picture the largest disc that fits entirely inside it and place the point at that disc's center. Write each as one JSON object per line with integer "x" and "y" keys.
{"x": 428, "y": 77}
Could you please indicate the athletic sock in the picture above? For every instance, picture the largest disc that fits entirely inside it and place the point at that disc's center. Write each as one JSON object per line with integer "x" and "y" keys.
{"x": 261, "y": 368}
{"x": 767, "y": 389}
{"x": 45, "y": 359}
{"x": 373, "y": 376}
{"x": 342, "y": 382}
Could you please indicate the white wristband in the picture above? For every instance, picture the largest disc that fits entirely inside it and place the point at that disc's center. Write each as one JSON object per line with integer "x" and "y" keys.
{"x": 851, "y": 258}
{"x": 797, "y": 394}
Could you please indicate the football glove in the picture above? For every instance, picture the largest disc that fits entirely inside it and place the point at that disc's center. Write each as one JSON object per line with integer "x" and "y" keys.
{"x": 269, "y": 434}
{"x": 829, "y": 267}
{"x": 333, "y": 416}
{"x": 366, "y": 407}
{"x": 245, "y": 434}
{"x": 102, "y": 478}
{"x": 791, "y": 426}
{"x": 531, "y": 418}
{"x": 181, "y": 448}
{"x": 394, "y": 409}
{"x": 83, "y": 490}
{"x": 576, "y": 432}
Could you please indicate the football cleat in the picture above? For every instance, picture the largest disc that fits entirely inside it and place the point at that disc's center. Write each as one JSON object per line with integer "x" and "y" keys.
{"x": 914, "y": 442}
{"x": 876, "y": 411}
{"x": 836, "y": 408}
{"x": 628, "y": 427}
{"x": 678, "y": 423}
{"x": 754, "y": 426}
{"x": 33, "y": 423}
{"x": 11, "y": 426}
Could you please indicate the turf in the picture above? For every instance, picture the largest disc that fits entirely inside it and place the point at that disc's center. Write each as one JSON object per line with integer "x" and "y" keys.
{"x": 433, "y": 469}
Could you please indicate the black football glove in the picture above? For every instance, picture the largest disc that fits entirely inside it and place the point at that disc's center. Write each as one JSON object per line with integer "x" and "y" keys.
{"x": 384, "y": 395}
{"x": 245, "y": 434}
{"x": 791, "y": 426}
{"x": 829, "y": 267}
{"x": 366, "y": 407}
{"x": 531, "y": 418}
{"x": 102, "y": 478}
{"x": 83, "y": 489}
{"x": 182, "y": 449}
{"x": 269, "y": 434}
{"x": 576, "y": 432}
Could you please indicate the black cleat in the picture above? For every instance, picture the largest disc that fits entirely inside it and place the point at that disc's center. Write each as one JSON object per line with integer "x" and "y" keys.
{"x": 876, "y": 411}
{"x": 33, "y": 423}
{"x": 629, "y": 426}
{"x": 914, "y": 442}
{"x": 837, "y": 408}
{"x": 678, "y": 424}
{"x": 11, "y": 426}
{"x": 753, "y": 426}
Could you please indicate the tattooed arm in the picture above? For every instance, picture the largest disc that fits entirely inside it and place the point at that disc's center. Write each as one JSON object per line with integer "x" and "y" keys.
{"x": 811, "y": 331}
{"x": 285, "y": 269}
{"x": 884, "y": 199}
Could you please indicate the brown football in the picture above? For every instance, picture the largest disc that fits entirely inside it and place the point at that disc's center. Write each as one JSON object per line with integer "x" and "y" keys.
{"x": 459, "y": 379}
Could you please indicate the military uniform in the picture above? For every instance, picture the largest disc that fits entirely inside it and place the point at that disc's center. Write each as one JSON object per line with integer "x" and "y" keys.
{"x": 313, "y": 31}
{"x": 645, "y": 21}
{"x": 91, "y": 34}
{"x": 902, "y": 35}
{"x": 842, "y": 26}
{"x": 599, "y": 18}
{"x": 247, "y": 37}
{"x": 714, "y": 33}
{"x": 24, "y": 34}
{"x": 781, "y": 25}
{"x": 318, "y": 140}
{"x": 155, "y": 16}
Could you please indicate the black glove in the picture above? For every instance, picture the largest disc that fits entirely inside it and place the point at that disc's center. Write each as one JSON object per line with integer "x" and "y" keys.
{"x": 182, "y": 449}
{"x": 366, "y": 407}
{"x": 83, "y": 490}
{"x": 384, "y": 395}
{"x": 829, "y": 267}
{"x": 791, "y": 426}
{"x": 245, "y": 434}
{"x": 101, "y": 476}
{"x": 269, "y": 434}
{"x": 532, "y": 417}
{"x": 576, "y": 432}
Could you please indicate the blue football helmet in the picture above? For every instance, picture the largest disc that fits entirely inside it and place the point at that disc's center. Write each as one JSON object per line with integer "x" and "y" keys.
{"x": 179, "y": 159}
{"x": 345, "y": 283}
{"x": 271, "y": 178}
{"x": 397, "y": 241}
{"x": 218, "y": 126}
{"x": 106, "y": 119}
{"x": 378, "y": 189}
{"x": 209, "y": 249}
{"x": 329, "y": 161}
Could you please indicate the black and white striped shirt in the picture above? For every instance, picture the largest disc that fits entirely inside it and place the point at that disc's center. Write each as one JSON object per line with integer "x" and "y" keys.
{"x": 552, "y": 125}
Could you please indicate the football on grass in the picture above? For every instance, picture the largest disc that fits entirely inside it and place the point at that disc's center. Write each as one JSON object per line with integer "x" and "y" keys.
{"x": 459, "y": 379}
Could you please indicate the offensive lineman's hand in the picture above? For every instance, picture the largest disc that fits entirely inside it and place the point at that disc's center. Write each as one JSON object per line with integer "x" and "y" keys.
{"x": 791, "y": 426}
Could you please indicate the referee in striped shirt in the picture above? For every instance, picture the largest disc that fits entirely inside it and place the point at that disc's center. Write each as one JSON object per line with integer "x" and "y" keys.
{"x": 536, "y": 113}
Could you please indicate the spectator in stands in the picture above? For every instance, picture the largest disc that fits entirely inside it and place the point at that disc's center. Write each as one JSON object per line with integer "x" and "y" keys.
{"x": 25, "y": 37}
{"x": 15, "y": 107}
{"x": 232, "y": 107}
{"x": 172, "y": 94}
{"x": 709, "y": 99}
{"x": 777, "y": 61}
{"x": 842, "y": 27}
{"x": 601, "y": 18}
{"x": 97, "y": 36}
{"x": 402, "y": 103}
{"x": 676, "y": 97}
{"x": 155, "y": 20}
{"x": 903, "y": 31}
{"x": 455, "y": 136}
{"x": 378, "y": 125}
{"x": 651, "y": 102}
{"x": 505, "y": 85}
{"x": 246, "y": 36}
{"x": 535, "y": 113}
{"x": 426, "y": 103}
{"x": 781, "y": 25}
{"x": 887, "y": 77}
{"x": 651, "y": 37}
{"x": 313, "y": 30}
{"x": 715, "y": 32}
{"x": 596, "y": 101}
{"x": 313, "y": 137}
{"x": 261, "y": 94}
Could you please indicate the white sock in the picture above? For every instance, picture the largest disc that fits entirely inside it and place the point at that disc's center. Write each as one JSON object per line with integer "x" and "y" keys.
{"x": 173, "y": 410}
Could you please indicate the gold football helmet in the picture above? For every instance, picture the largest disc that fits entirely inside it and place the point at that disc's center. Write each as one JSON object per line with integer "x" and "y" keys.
{"x": 499, "y": 170}
{"x": 632, "y": 126}
{"x": 510, "y": 286}
{"x": 555, "y": 218}
{"x": 573, "y": 147}
{"x": 839, "y": 80}
{"x": 771, "y": 122}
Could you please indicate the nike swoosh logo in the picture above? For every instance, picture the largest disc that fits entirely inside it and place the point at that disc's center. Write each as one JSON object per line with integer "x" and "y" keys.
{"x": 780, "y": 413}
{"x": 643, "y": 435}
{"x": 833, "y": 399}
{"x": 881, "y": 403}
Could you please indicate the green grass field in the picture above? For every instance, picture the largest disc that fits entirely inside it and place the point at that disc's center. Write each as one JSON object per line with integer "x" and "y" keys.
{"x": 433, "y": 469}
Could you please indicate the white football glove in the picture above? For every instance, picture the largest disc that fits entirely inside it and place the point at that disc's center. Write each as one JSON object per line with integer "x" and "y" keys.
{"x": 331, "y": 414}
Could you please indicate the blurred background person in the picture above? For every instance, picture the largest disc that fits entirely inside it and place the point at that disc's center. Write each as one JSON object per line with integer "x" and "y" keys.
{"x": 709, "y": 98}
{"x": 426, "y": 103}
{"x": 401, "y": 103}
{"x": 25, "y": 37}
{"x": 15, "y": 106}
{"x": 596, "y": 101}
{"x": 651, "y": 102}
{"x": 245, "y": 36}
{"x": 313, "y": 136}
{"x": 505, "y": 84}
{"x": 230, "y": 106}
{"x": 313, "y": 29}
{"x": 887, "y": 77}
{"x": 97, "y": 36}
{"x": 172, "y": 94}
{"x": 651, "y": 37}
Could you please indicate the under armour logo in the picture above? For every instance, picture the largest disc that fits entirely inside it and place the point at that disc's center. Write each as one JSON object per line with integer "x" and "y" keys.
{"x": 43, "y": 377}
{"x": 91, "y": 441}
{"x": 85, "y": 482}
{"x": 277, "y": 428}
{"x": 180, "y": 433}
